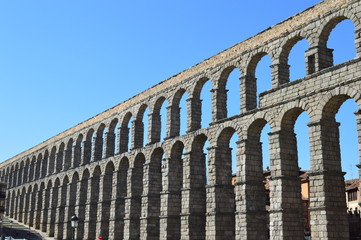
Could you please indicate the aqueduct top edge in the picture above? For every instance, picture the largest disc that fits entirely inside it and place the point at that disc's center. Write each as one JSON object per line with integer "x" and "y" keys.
{"x": 270, "y": 33}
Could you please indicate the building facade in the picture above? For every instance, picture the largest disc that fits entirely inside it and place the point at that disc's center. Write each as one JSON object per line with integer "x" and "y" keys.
{"x": 159, "y": 190}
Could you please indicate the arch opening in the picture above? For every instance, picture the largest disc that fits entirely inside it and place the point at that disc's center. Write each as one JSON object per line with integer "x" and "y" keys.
{"x": 263, "y": 76}
{"x": 232, "y": 91}
{"x": 341, "y": 41}
{"x": 198, "y": 168}
{"x": 296, "y": 60}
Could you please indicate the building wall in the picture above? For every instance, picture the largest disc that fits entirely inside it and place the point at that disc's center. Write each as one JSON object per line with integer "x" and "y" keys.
{"x": 305, "y": 190}
{"x": 159, "y": 191}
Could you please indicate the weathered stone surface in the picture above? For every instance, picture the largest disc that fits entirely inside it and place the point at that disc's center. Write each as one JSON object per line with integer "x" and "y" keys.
{"x": 161, "y": 191}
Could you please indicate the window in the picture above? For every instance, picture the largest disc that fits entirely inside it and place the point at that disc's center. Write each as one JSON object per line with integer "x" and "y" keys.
{"x": 352, "y": 195}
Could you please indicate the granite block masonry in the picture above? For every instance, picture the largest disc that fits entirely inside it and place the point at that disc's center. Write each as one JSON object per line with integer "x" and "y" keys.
{"x": 121, "y": 188}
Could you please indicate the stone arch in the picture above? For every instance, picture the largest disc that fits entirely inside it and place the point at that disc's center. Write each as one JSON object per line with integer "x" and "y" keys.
{"x": 255, "y": 57}
{"x": 139, "y": 161}
{"x": 176, "y": 165}
{"x": 62, "y": 222}
{"x": 27, "y": 204}
{"x": 86, "y": 174}
{"x": 2, "y": 176}
{"x": 44, "y": 164}
{"x": 124, "y": 136}
{"x": 12, "y": 204}
{"x": 330, "y": 106}
{"x": 135, "y": 191}
{"x": 15, "y": 203}
{"x": 199, "y": 141}
{"x": 8, "y": 199}
{"x": 11, "y": 177}
{"x": 22, "y": 204}
{"x": 20, "y": 173}
{"x": 220, "y": 96}
{"x": 282, "y": 74}
{"x": 32, "y": 169}
{"x": 121, "y": 193}
{"x": 71, "y": 203}
{"x": 177, "y": 96}
{"x": 223, "y": 198}
{"x": 57, "y": 181}
{"x": 88, "y": 146}
{"x": 250, "y": 182}
{"x": 289, "y": 162}
{"x": 324, "y": 55}
{"x": 32, "y": 212}
{"x": 83, "y": 196}
{"x": 47, "y": 206}
{"x": 98, "y": 143}
{"x": 156, "y": 121}
{"x": 75, "y": 179}
{"x": 224, "y": 73}
{"x": 65, "y": 179}
{"x": 111, "y": 140}
{"x": 18, "y": 204}
{"x": 60, "y": 158}
{"x": 258, "y": 118}
{"x": 7, "y": 176}
{"x": 288, "y": 44}
{"x": 228, "y": 125}
{"x": 15, "y": 175}
{"x": 77, "y": 152}
{"x": 255, "y": 128}
{"x": 94, "y": 198}
{"x": 8, "y": 202}
{"x": 39, "y": 205}
{"x": 151, "y": 202}
{"x": 109, "y": 168}
{"x": 326, "y": 158}
{"x": 8, "y": 171}
{"x": 225, "y": 135}
{"x": 196, "y": 103}
{"x": 197, "y": 178}
{"x": 107, "y": 193}
{"x": 340, "y": 94}
{"x": 139, "y": 126}
{"x": 54, "y": 210}
{"x": 289, "y": 117}
{"x": 97, "y": 171}
{"x": 51, "y": 168}
{"x": 38, "y": 166}
{"x": 172, "y": 180}
{"x": 3, "y": 173}
{"x": 333, "y": 101}
{"x": 68, "y": 154}
{"x": 175, "y": 114}
{"x": 196, "y": 91}
{"x": 331, "y": 21}
{"x": 249, "y": 81}
{"x": 123, "y": 164}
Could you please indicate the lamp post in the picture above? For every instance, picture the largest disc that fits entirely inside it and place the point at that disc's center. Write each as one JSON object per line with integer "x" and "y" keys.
{"x": 74, "y": 224}
{"x": 1, "y": 228}
{"x": 2, "y": 210}
{"x": 11, "y": 230}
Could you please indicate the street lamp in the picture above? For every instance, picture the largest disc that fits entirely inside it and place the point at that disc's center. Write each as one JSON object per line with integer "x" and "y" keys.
{"x": 1, "y": 228}
{"x": 2, "y": 210}
{"x": 74, "y": 224}
{"x": 11, "y": 229}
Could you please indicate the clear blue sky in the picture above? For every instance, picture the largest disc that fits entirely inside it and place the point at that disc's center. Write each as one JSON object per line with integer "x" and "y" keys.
{"x": 62, "y": 62}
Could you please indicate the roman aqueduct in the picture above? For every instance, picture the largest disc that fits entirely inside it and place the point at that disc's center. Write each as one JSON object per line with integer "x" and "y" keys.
{"x": 158, "y": 190}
